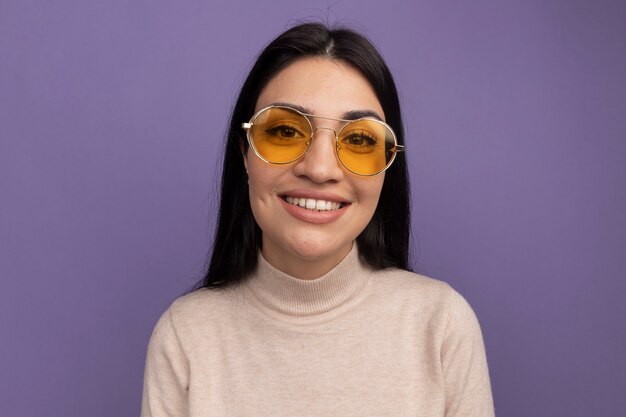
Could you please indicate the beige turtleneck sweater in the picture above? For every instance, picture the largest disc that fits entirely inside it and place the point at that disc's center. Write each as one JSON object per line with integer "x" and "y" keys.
{"x": 355, "y": 342}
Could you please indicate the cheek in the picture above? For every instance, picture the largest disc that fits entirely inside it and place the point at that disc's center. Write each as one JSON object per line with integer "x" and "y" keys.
{"x": 370, "y": 190}
{"x": 259, "y": 202}
{"x": 262, "y": 180}
{"x": 258, "y": 187}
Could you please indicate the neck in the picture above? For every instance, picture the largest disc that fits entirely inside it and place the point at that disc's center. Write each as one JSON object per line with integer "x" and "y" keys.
{"x": 287, "y": 295}
{"x": 302, "y": 265}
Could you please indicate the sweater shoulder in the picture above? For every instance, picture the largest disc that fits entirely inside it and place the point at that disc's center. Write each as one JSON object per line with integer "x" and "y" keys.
{"x": 202, "y": 304}
{"x": 406, "y": 282}
{"x": 401, "y": 287}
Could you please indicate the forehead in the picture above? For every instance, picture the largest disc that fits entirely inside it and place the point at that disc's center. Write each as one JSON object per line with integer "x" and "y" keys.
{"x": 323, "y": 86}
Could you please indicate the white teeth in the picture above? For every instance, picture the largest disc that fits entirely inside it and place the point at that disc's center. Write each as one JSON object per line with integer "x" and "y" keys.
{"x": 311, "y": 204}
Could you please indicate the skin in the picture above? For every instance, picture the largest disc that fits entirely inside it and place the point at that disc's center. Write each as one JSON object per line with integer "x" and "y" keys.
{"x": 303, "y": 243}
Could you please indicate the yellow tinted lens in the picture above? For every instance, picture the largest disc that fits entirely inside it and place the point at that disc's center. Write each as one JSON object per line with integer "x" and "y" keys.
{"x": 280, "y": 135}
{"x": 366, "y": 147}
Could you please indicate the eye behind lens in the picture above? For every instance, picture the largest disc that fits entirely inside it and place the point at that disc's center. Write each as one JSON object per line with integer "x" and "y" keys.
{"x": 282, "y": 135}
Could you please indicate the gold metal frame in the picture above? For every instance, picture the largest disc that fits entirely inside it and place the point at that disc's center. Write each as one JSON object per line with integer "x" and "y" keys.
{"x": 248, "y": 126}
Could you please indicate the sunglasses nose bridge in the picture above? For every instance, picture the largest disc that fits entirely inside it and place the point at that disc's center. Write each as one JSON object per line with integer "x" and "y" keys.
{"x": 324, "y": 128}
{"x": 333, "y": 133}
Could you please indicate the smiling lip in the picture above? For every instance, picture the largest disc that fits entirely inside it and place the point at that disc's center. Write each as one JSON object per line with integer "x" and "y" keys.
{"x": 313, "y": 215}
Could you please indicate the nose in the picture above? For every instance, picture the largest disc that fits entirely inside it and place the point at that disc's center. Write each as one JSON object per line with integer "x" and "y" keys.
{"x": 320, "y": 163}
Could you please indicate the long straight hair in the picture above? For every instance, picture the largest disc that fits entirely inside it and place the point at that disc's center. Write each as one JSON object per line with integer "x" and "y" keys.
{"x": 384, "y": 242}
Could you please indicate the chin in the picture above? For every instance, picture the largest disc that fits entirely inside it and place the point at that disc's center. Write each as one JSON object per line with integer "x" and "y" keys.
{"x": 320, "y": 250}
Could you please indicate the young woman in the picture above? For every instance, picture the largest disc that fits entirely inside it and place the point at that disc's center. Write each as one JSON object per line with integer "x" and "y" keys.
{"x": 308, "y": 307}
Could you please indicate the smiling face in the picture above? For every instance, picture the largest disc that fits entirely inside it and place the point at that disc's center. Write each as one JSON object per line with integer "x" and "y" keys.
{"x": 311, "y": 211}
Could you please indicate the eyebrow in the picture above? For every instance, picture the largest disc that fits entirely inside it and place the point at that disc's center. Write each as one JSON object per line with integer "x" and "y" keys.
{"x": 351, "y": 115}
{"x": 359, "y": 114}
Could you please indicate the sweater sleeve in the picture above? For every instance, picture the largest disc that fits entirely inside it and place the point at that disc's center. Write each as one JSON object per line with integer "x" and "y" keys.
{"x": 464, "y": 364}
{"x": 166, "y": 378}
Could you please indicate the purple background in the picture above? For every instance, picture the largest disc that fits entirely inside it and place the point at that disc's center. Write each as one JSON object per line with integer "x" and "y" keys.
{"x": 111, "y": 118}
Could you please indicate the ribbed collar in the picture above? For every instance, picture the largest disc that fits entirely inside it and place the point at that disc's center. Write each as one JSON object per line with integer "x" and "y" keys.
{"x": 281, "y": 292}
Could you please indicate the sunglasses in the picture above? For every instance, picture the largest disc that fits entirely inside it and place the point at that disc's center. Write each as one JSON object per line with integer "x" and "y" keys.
{"x": 282, "y": 135}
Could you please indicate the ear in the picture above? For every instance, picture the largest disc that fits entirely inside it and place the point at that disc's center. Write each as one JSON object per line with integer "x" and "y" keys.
{"x": 243, "y": 155}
